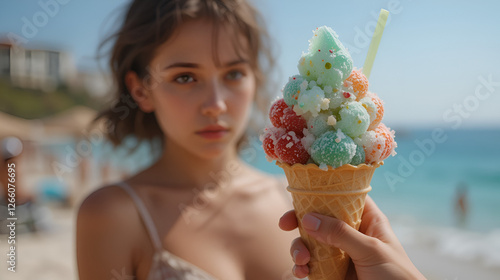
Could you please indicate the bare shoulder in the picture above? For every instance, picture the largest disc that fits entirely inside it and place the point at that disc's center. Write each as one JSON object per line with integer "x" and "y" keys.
{"x": 102, "y": 248}
{"x": 109, "y": 210}
{"x": 107, "y": 201}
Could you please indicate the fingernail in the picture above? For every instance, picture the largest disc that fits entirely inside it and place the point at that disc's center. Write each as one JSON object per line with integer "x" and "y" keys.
{"x": 295, "y": 253}
{"x": 310, "y": 222}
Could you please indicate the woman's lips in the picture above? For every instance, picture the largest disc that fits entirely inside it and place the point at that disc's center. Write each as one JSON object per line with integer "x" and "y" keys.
{"x": 213, "y": 132}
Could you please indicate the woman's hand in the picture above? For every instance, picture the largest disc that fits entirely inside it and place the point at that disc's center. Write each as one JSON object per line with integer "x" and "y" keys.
{"x": 375, "y": 250}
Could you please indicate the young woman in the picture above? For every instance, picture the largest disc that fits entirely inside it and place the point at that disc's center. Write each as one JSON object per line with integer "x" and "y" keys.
{"x": 187, "y": 73}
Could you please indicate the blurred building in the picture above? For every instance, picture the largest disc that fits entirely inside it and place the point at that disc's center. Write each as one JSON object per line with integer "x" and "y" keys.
{"x": 95, "y": 82}
{"x": 36, "y": 68}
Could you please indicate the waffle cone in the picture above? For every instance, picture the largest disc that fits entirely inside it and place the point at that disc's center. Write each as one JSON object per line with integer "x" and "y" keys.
{"x": 338, "y": 192}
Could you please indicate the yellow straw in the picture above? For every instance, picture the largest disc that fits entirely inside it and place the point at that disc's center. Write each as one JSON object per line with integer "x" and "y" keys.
{"x": 377, "y": 35}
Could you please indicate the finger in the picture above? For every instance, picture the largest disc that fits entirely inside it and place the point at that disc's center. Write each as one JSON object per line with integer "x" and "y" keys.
{"x": 300, "y": 271}
{"x": 338, "y": 234}
{"x": 288, "y": 221}
{"x": 299, "y": 252}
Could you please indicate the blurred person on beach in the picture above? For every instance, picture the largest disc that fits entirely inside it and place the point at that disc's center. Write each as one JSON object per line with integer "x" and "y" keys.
{"x": 187, "y": 74}
{"x": 10, "y": 151}
{"x": 13, "y": 191}
{"x": 461, "y": 205}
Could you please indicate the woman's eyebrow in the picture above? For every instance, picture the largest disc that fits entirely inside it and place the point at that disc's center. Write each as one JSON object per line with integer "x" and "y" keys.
{"x": 194, "y": 65}
{"x": 232, "y": 63}
{"x": 183, "y": 65}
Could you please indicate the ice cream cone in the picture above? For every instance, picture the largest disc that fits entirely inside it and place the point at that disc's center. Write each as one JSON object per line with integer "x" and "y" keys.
{"x": 338, "y": 193}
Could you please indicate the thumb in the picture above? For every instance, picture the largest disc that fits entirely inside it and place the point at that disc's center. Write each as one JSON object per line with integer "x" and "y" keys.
{"x": 338, "y": 234}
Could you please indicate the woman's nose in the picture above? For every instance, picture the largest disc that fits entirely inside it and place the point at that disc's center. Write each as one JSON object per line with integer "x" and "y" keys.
{"x": 215, "y": 103}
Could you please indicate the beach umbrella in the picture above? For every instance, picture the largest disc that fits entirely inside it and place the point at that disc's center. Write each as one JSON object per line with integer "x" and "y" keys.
{"x": 15, "y": 126}
{"x": 74, "y": 121}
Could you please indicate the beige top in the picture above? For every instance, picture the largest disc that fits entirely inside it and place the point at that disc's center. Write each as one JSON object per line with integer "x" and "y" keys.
{"x": 165, "y": 265}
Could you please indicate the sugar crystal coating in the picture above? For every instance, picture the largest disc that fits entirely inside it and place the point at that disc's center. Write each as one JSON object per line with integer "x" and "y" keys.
{"x": 293, "y": 122}
{"x": 354, "y": 119}
{"x": 319, "y": 124}
{"x": 312, "y": 100}
{"x": 283, "y": 116}
{"x": 327, "y": 61}
{"x": 269, "y": 139}
{"x": 289, "y": 149}
{"x": 388, "y": 136}
{"x": 370, "y": 107}
{"x": 380, "y": 110}
{"x": 333, "y": 148}
{"x": 276, "y": 112}
{"x": 292, "y": 89}
{"x": 378, "y": 144}
{"x": 359, "y": 157}
{"x": 359, "y": 83}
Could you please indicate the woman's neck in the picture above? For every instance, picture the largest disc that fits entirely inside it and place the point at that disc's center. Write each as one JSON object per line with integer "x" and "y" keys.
{"x": 178, "y": 168}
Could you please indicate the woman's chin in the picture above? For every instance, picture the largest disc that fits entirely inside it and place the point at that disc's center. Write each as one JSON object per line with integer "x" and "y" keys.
{"x": 214, "y": 151}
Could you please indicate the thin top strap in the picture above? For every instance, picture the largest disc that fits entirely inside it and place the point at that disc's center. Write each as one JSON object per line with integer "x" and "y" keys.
{"x": 146, "y": 218}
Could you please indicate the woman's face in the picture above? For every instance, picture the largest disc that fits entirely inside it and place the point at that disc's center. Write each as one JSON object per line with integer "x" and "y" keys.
{"x": 201, "y": 106}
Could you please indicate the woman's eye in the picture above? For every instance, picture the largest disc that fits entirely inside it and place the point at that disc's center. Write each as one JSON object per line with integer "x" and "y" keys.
{"x": 184, "y": 79}
{"x": 234, "y": 75}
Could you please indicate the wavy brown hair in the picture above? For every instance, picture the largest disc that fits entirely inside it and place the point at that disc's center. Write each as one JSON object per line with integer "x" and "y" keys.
{"x": 148, "y": 24}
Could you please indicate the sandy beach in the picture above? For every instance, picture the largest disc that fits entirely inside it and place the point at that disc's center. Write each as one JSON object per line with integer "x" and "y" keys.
{"x": 50, "y": 254}
{"x": 437, "y": 265}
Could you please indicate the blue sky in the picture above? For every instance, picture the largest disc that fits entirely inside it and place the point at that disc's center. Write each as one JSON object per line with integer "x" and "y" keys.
{"x": 432, "y": 58}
